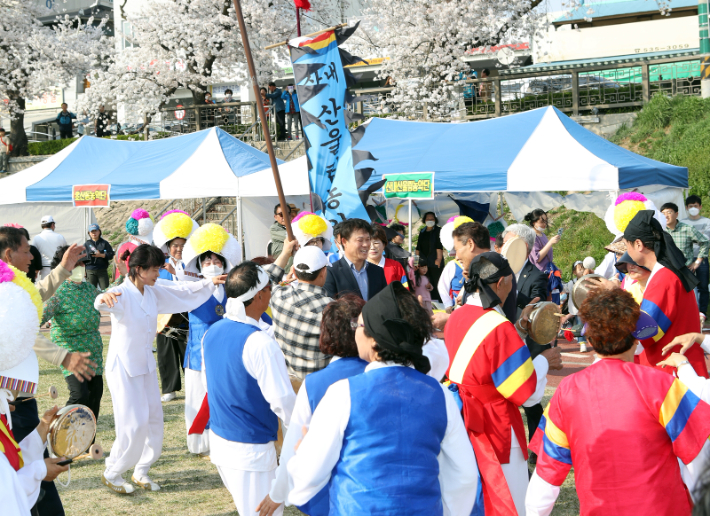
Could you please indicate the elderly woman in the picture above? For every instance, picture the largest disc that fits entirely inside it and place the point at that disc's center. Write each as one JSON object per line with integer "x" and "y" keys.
{"x": 376, "y": 256}
{"x": 622, "y": 426}
{"x": 75, "y": 327}
{"x": 390, "y": 440}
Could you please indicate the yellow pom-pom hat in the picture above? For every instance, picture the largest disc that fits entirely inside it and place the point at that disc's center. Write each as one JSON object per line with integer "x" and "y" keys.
{"x": 212, "y": 237}
{"x": 446, "y": 236}
{"x": 307, "y": 226}
{"x": 174, "y": 225}
{"x": 625, "y": 207}
{"x": 20, "y": 314}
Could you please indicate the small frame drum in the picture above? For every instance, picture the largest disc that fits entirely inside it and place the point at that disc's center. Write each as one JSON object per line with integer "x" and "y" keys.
{"x": 581, "y": 290}
{"x": 544, "y": 322}
{"x": 71, "y": 432}
{"x": 516, "y": 252}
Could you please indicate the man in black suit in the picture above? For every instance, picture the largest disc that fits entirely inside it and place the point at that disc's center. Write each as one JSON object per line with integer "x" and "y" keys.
{"x": 352, "y": 274}
{"x": 531, "y": 286}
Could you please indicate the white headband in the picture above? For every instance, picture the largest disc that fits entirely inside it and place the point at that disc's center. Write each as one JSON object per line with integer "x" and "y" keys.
{"x": 235, "y": 309}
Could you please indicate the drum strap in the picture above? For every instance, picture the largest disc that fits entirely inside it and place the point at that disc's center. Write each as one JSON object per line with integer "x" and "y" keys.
{"x": 9, "y": 446}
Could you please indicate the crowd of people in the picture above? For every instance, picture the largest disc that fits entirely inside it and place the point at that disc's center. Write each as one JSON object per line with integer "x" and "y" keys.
{"x": 343, "y": 375}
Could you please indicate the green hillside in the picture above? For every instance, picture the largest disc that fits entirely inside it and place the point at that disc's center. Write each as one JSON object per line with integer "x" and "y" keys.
{"x": 673, "y": 130}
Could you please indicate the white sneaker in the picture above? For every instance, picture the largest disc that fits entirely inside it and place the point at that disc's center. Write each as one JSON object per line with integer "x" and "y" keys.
{"x": 168, "y": 397}
{"x": 582, "y": 347}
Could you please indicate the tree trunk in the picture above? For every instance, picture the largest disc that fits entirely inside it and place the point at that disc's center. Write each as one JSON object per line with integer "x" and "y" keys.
{"x": 18, "y": 137}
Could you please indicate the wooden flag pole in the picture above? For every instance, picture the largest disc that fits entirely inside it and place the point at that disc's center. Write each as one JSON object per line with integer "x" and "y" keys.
{"x": 307, "y": 35}
{"x": 262, "y": 115}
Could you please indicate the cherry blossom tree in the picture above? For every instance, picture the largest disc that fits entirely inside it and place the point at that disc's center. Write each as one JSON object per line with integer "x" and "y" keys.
{"x": 426, "y": 39}
{"x": 191, "y": 44}
{"x": 34, "y": 57}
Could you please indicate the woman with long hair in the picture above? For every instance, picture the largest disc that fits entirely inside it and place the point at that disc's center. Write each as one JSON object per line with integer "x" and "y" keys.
{"x": 130, "y": 366}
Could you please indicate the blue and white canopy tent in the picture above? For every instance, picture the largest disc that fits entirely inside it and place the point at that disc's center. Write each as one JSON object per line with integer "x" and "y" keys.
{"x": 523, "y": 156}
{"x": 204, "y": 164}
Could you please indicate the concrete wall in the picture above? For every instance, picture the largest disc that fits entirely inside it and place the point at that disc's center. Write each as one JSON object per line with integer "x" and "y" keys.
{"x": 605, "y": 125}
{"x": 620, "y": 40}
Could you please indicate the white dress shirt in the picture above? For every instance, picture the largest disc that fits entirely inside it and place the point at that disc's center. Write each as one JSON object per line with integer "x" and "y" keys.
{"x": 311, "y": 466}
{"x": 47, "y": 243}
{"x": 19, "y": 490}
{"x": 134, "y": 319}
{"x": 265, "y": 362}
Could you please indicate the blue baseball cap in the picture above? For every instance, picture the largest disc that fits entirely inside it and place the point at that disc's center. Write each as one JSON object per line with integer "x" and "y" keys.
{"x": 94, "y": 227}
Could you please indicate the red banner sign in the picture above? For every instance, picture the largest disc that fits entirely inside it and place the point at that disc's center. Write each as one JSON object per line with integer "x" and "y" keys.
{"x": 91, "y": 196}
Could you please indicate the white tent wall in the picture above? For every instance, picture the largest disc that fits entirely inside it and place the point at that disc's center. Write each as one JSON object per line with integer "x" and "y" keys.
{"x": 257, "y": 217}
{"x": 71, "y": 222}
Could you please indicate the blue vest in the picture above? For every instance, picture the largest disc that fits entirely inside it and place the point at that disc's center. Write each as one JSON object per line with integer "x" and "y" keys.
{"x": 201, "y": 319}
{"x": 238, "y": 410}
{"x": 316, "y": 385}
{"x": 389, "y": 461}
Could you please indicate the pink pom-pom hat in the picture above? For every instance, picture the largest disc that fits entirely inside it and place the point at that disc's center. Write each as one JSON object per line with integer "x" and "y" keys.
{"x": 139, "y": 214}
{"x": 630, "y": 196}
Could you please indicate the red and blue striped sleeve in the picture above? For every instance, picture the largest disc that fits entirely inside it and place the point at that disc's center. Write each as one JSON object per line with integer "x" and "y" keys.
{"x": 550, "y": 443}
{"x": 513, "y": 371}
{"x": 686, "y": 419}
{"x": 661, "y": 302}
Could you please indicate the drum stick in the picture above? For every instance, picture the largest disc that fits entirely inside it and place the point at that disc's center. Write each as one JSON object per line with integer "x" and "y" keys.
{"x": 51, "y": 392}
{"x": 95, "y": 452}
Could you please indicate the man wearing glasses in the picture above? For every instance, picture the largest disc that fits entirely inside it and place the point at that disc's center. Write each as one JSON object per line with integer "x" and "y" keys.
{"x": 278, "y": 234}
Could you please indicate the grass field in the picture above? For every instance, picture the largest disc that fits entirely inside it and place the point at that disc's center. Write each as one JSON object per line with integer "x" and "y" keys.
{"x": 190, "y": 486}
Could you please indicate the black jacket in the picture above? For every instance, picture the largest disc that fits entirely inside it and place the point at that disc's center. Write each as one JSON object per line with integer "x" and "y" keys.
{"x": 341, "y": 280}
{"x": 531, "y": 284}
{"x": 398, "y": 253}
{"x": 102, "y": 246}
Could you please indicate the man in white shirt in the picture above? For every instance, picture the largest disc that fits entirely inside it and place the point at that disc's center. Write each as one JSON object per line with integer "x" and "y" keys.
{"x": 248, "y": 390}
{"x": 693, "y": 204}
{"x": 47, "y": 243}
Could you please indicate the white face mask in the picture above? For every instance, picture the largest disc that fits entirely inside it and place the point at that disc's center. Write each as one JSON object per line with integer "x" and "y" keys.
{"x": 430, "y": 223}
{"x": 693, "y": 211}
{"x": 77, "y": 274}
{"x": 290, "y": 88}
{"x": 541, "y": 229}
{"x": 210, "y": 271}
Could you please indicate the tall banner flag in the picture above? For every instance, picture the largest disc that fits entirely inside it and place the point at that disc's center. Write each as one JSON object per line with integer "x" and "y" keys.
{"x": 322, "y": 83}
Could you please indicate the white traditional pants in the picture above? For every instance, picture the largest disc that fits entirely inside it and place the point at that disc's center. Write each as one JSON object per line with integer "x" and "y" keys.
{"x": 516, "y": 473}
{"x": 194, "y": 394}
{"x": 138, "y": 418}
{"x": 248, "y": 488}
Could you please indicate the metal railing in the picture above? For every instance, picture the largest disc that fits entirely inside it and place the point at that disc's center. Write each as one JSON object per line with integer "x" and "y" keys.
{"x": 237, "y": 118}
{"x": 571, "y": 90}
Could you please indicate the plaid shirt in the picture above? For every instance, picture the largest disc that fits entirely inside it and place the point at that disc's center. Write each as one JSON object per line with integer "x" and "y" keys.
{"x": 684, "y": 235}
{"x": 297, "y": 311}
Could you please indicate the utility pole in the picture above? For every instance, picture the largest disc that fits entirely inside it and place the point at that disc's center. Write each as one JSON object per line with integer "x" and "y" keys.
{"x": 704, "y": 48}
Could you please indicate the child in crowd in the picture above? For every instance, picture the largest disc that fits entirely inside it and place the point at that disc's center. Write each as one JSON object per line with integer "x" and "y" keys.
{"x": 421, "y": 286}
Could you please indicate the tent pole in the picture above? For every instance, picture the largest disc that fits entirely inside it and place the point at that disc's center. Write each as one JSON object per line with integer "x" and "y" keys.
{"x": 264, "y": 124}
{"x": 204, "y": 211}
{"x": 239, "y": 227}
{"x": 410, "y": 225}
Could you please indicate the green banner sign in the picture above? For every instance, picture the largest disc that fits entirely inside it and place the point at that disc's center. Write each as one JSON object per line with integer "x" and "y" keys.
{"x": 418, "y": 185}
